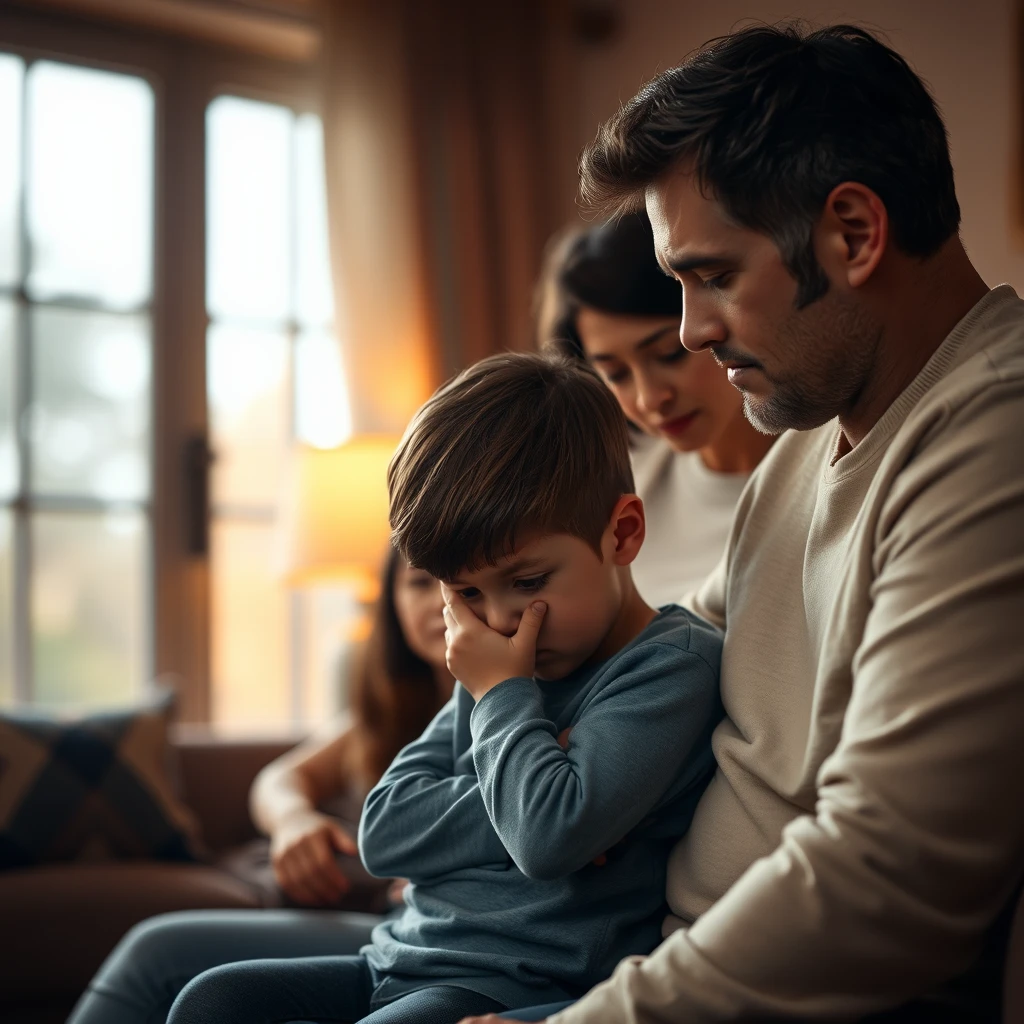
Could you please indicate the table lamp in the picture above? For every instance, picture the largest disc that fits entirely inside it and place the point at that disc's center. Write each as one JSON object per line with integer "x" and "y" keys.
{"x": 335, "y": 515}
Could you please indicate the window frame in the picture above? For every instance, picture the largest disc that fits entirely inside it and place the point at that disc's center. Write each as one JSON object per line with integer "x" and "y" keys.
{"x": 185, "y": 76}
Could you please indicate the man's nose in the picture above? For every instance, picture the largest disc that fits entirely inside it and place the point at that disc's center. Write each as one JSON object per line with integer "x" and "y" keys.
{"x": 701, "y": 326}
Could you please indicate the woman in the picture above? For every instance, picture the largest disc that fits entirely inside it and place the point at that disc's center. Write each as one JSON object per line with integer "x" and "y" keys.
{"x": 605, "y": 299}
{"x": 404, "y": 681}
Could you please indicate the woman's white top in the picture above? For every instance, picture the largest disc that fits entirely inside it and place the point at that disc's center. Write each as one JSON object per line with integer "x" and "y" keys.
{"x": 689, "y": 513}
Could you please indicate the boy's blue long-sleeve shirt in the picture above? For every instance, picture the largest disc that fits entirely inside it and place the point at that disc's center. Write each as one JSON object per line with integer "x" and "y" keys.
{"x": 498, "y": 827}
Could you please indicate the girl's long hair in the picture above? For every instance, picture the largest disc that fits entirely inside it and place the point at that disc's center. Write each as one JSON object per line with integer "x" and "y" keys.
{"x": 395, "y": 693}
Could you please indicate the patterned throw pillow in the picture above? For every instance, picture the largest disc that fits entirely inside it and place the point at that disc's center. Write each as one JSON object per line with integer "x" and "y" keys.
{"x": 93, "y": 788}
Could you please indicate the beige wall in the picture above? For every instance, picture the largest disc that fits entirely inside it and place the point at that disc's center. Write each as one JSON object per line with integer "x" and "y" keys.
{"x": 965, "y": 49}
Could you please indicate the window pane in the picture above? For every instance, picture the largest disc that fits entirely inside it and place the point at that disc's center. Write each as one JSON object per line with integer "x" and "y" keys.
{"x": 247, "y": 380}
{"x": 249, "y": 609}
{"x": 314, "y": 299}
{"x": 90, "y": 184}
{"x": 322, "y": 414}
{"x": 248, "y": 228}
{"x": 90, "y": 410}
{"x": 88, "y": 607}
{"x": 12, "y": 73}
{"x": 8, "y": 441}
{"x": 6, "y": 610}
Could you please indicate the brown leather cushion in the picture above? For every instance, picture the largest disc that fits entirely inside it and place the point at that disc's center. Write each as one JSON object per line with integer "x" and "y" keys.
{"x": 60, "y": 921}
{"x": 216, "y": 776}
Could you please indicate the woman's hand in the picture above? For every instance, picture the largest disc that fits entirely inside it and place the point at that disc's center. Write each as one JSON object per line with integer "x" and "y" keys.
{"x": 303, "y": 850}
{"x": 481, "y": 657}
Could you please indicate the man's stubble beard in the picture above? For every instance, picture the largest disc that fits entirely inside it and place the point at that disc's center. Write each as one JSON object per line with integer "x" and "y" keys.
{"x": 830, "y": 348}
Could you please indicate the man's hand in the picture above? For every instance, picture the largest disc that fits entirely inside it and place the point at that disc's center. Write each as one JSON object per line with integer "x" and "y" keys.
{"x": 480, "y": 657}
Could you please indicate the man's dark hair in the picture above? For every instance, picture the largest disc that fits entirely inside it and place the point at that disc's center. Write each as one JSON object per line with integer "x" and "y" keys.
{"x": 771, "y": 119}
{"x": 610, "y": 267}
{"x": 517, "y": 443}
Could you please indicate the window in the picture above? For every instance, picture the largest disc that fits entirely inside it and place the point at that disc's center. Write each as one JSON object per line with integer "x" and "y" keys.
{"x": 76, "y": 285}
{"x": 273, "y": 377}
{"x": 123, "y": 353}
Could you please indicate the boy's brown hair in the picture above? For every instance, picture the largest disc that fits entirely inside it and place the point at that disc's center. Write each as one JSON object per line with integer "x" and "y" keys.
{"x": 516, "y": 443}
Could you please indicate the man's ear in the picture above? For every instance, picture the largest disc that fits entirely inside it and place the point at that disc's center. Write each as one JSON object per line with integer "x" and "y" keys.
{"x": 852, "y": 233}
{"x": 627, "y": 528}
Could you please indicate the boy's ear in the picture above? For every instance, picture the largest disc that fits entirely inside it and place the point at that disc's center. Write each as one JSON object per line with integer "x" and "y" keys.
{"x": 627, "y": 528}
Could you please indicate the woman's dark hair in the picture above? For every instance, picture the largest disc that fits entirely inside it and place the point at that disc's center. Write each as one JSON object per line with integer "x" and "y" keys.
{"x": 610, "y": 267}
{"x": 395, "y": 692}
{"x": 770, "y": 119}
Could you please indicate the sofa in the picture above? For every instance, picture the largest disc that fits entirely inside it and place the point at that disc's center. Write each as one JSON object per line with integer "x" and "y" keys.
{"x": 58, "y": 922}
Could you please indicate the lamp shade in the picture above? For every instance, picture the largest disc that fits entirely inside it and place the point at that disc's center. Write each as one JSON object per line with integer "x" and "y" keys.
{"x": 334, "y": 525}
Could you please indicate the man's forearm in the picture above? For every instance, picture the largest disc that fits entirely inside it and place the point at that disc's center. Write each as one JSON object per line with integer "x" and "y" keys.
{"x": 817, "y": 930}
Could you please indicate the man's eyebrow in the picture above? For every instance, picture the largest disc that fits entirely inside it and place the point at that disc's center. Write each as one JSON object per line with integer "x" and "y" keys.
{"x": 602, "y": 357}
{"x": 698, "y": 261}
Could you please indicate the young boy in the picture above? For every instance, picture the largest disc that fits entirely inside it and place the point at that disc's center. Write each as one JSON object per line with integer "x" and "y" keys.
{"x": 534, "y": 816}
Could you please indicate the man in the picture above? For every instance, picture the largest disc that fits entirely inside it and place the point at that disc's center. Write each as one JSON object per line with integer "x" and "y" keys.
{"x": 865, "y": 829}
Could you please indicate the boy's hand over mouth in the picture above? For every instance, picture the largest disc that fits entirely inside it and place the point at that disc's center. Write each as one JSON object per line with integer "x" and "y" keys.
{"x": 481, "y": 657}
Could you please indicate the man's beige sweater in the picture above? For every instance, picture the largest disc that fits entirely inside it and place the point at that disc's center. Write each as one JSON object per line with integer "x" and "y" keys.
{"x": 866, "y": 823}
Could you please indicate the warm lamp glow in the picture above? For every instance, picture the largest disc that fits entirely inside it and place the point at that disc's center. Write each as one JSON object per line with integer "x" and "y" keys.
{"x": 335, "y": 522}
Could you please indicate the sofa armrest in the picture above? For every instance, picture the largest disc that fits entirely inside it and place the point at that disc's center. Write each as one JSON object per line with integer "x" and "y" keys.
{"x": 216, "y": 775}
{"x": 61, "y": 920}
